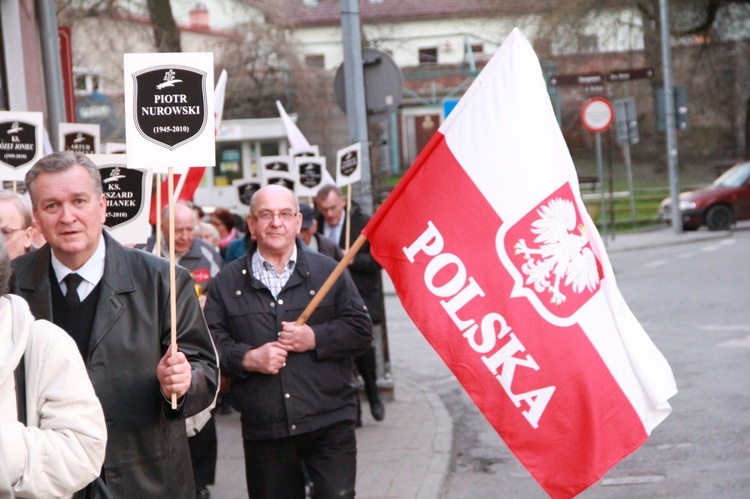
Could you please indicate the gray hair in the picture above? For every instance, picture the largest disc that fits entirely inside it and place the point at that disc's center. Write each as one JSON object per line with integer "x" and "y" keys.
{"x": 59, "y": 162}
{"x": 326, "y": 190}
{"x": 21, "y": 205}
{"x": 5, "y": 269}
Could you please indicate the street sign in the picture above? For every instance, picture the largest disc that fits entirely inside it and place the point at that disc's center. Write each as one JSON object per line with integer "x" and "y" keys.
{"x": 576, "y": 79}
{"x": 626, "y": 121}
{"x": 597, "y": 114}
{"x": 629, "y": 74}
{"x": 384, "y": 84}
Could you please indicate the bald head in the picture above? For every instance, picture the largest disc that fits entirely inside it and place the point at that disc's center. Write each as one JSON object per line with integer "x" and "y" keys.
{"x": 184, "y": 226}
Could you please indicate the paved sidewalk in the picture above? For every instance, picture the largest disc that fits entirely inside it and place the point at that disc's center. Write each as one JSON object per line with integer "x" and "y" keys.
{"x": 408, "y": 455}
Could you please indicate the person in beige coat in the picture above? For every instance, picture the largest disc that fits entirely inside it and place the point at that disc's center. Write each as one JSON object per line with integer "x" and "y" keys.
{"x": 61, "y": 448}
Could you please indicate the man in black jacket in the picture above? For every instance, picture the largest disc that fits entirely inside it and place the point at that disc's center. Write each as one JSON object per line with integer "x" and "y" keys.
{"x": 366, "y": 274}
{"x": 293, "y": 384}
{"x": 114, "y": 302}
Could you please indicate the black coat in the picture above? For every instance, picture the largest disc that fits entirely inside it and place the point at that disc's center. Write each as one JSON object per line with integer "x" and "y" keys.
{"x": 147, "y": 449}
{"x": 364, "y": 269}
{"x": 315, "y": 388}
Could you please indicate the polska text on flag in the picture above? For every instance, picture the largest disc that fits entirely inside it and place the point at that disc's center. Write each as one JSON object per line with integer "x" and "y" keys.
{"x": 495, "y": 259}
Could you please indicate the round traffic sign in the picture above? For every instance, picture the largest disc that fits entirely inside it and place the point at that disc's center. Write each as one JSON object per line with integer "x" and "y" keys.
{"x": 384, "y": 84}
{"x": 597, "y": 114}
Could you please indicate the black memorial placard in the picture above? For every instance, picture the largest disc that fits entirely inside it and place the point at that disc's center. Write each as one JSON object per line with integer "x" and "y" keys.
{"x": 246, "y": 190}
{"x": 80, "y": 142}
{"x": 310, "y": 173}
{"x": 123, "y": 188}
{"x": 17, "y": 143}
{"x": 349, "y": 163}
{"x": 170, "y": 104}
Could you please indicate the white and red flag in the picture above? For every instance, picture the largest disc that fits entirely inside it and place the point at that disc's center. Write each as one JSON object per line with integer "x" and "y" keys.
{"x": 495, "y": 259}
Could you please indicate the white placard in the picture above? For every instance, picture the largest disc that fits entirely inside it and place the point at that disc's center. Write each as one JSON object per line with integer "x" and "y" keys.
{"x": 115, "y": 148}
{"x": 169, "y": 110}
{"x": 310, "y": 174}
{"x": 128, "y": 193}
{"x": 304, "y": 151}
{"x": 21, "y": 143}
{"x": 349, "y": 165}
{"x": 79, "y": 137}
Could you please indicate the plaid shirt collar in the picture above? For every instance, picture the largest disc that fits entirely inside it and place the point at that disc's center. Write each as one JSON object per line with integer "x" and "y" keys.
{"x": 266, "y": 273}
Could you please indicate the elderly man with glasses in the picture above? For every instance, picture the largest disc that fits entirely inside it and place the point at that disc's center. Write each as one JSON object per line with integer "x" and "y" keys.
{"x": 292, "y": 384}
{"x": 15, "y": 223}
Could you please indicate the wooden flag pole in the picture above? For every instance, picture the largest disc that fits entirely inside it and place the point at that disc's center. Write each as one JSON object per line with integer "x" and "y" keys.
{"x": 348, "y": 216}
{"x": 172, "y": 273}
{"x": 326, "y": 287}
{"x": 157, "y": 234}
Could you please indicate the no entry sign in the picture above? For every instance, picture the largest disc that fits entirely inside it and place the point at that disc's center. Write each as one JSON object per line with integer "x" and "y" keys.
{"x": 597, "y": 114}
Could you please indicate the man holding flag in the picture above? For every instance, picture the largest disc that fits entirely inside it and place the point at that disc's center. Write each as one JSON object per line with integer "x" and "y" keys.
{"x": 518, "y": 296}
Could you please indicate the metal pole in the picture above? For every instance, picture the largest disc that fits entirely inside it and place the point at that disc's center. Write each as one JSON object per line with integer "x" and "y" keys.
{"x": 53, "y": 82}
{"x": 600, "y": 171}
{"x": 674, "y": 179}
{"x": 356, "y": 113}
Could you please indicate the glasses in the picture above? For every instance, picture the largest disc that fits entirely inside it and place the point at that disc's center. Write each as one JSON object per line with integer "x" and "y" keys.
{"x": 7, "y": 232}
{"x": 266, "y": 217}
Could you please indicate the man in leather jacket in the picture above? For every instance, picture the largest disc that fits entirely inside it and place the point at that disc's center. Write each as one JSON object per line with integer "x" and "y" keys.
{"x": 118, "y": 312}
{"x": 293, "y": 384}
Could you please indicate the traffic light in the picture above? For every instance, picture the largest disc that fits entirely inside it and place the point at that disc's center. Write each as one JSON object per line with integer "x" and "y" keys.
{"x": 680, "y": 107}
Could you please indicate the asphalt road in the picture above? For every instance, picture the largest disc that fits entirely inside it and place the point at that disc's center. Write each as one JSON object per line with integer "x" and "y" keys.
{"x": 694, "y": 301}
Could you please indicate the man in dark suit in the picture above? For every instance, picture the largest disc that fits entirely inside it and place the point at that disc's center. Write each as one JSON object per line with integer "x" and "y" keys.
{"x": 365, "y": 272}
{"x": 114, "y": 302}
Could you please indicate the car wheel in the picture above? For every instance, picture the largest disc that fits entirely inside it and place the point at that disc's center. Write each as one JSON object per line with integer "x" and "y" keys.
{"x": 719, "y": 217}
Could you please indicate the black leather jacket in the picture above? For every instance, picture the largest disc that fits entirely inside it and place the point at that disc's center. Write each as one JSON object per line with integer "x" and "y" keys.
{"x": 147, "y": 448}
{"x": 316, "y": 388}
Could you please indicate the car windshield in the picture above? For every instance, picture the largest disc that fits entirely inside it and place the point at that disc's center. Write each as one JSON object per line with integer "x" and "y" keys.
{"x": 734, "y": 177}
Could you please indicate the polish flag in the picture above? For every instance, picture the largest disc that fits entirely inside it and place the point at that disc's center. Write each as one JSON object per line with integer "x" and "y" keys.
{"x": 187, "y": 184}
{"x": 495, "y": 259}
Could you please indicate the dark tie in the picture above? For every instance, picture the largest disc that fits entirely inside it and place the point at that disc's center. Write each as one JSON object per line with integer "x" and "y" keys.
{"x": 71, "y": 282}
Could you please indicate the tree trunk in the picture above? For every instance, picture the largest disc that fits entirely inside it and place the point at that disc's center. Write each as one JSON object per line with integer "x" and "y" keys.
{"x": 166, "y": 34}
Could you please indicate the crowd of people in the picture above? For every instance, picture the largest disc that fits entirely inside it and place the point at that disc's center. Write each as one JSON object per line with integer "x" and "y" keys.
{"x": 91, "y": 380}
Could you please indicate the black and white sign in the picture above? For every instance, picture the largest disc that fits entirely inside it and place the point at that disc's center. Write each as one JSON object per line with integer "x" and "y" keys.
{"x": 128, "y": 193}
{"x": 169, "y": 110}
{"x": 20, "y": 143}
{"x": 310, "y": 170}
{"x": 348, "y": 165}
{"x": 246, "y": 189}
{"x": 79, "y": 137}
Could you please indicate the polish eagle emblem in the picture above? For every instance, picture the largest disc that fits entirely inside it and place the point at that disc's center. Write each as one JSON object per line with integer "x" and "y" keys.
{"x": 562, "y": 260}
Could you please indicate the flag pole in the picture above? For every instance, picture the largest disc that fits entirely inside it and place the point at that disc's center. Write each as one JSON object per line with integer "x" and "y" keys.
{"x": 348, "y": 216}
{"x": 326, "y": 287}
{"x": 157, "y": 229}
{"x": 172, "y": 273}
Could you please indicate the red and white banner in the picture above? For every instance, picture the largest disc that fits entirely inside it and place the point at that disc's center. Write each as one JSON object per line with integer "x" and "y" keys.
{"x": 495, "y": 259}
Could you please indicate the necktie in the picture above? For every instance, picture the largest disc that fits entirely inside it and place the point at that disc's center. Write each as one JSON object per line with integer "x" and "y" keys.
{"x": 72, "y": 281}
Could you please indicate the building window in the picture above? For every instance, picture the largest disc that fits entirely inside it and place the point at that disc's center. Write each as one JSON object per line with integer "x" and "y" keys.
{"x": 86, "y": 83}
{"x": 310, "y": 3}
{"x": 476, "y": 48}
{"x": 315, "y": 61}
{"x": 587, "y": 44}
{"x": 428, "y": 55}
{"x": 228, "y": 163}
